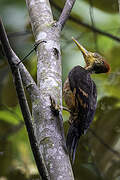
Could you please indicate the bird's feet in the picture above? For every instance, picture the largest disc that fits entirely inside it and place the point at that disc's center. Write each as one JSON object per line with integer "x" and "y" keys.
{"x": 54, "y": 106}
{"x": 57, "y": 108}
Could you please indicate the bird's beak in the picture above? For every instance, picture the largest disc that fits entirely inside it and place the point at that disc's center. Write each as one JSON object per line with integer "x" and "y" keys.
{"x": 82, "y": 49}
{"x": 88, "y": 56}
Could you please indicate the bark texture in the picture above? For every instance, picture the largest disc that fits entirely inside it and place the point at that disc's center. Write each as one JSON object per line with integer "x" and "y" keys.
{"x": 49, "y": 127}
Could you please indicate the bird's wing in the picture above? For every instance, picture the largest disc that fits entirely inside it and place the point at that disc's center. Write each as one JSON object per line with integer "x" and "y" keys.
{"x": 93, "y": 105}
{"x": 84, "y": 90}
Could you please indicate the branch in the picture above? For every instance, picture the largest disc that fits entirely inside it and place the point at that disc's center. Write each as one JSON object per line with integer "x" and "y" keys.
{"x": 29, "y": 126}
{"x": 94, "y": 29}
{"x": 119, "y": 5}
{"x": 104, "y": 143}
{"x": 93, "y": 25}
{"x": 13, "y": 60}
{"x": 65, "y": 13}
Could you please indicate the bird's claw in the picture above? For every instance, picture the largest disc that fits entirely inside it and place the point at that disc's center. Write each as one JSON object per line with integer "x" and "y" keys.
{"x": 57, "y": 108}
{"x": 54, "y": 106}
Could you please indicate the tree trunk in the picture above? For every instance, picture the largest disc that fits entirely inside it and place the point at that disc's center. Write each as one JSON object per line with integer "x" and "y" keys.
{"x": 49, "y": 127}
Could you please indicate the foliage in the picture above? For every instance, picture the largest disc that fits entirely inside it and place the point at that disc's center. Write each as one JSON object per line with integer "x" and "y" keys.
{"x": 93, "y": 159}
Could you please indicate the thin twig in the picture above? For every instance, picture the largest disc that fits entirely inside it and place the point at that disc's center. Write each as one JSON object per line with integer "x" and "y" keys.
{"x": 97, "y": 170}
{"x": 32, "y": 50}
{"x": 65, "y": 13}
{"x": 94, "y": 29}
{"x": 104, "y": 143}
{"x": 119, "y": 5}
{"x": 24, "y": 58}
{"x": 28, "y": 81}
{"x": 93, "y": 24}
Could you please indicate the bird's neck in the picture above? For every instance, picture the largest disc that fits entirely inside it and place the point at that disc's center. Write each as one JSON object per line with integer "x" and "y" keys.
{"x": 90, "y": 70}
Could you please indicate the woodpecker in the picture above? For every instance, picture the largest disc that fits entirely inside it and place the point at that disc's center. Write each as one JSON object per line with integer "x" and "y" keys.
{"x": 80, "y": 96}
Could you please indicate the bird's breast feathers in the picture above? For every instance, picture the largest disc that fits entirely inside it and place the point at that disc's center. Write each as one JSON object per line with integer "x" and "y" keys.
{"x": 80, "y": 95}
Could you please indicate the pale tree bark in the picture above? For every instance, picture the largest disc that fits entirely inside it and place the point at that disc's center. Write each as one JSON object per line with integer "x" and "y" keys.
{"x": 50, "y": 144}
{"x": 49, "y": 131}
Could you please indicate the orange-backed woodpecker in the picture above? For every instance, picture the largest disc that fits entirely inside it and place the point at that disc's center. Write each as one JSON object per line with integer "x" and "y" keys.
{"x": 80, "y": 96}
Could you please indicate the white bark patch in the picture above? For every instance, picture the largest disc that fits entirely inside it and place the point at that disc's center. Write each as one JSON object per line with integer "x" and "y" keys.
{"x": 52, "y": 168}
{"x": 60, "y": 151}
{"x": 52, "y": 151}
{"x": 59, "y": 157}
{"x": 70, "y": 3}
{"x": 32, "y": 2}
{"x": 50, "y": 81}
{"x": 41, "y": 35}
{"x": 50, "y": 44}
{"x": 60, "y": 178}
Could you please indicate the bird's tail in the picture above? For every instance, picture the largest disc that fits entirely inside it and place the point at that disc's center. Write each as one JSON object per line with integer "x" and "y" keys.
{"x": 73, "y": 137}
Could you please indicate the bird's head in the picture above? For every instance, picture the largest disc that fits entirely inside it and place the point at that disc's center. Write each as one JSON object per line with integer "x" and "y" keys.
{"x": 95, "y": 63}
